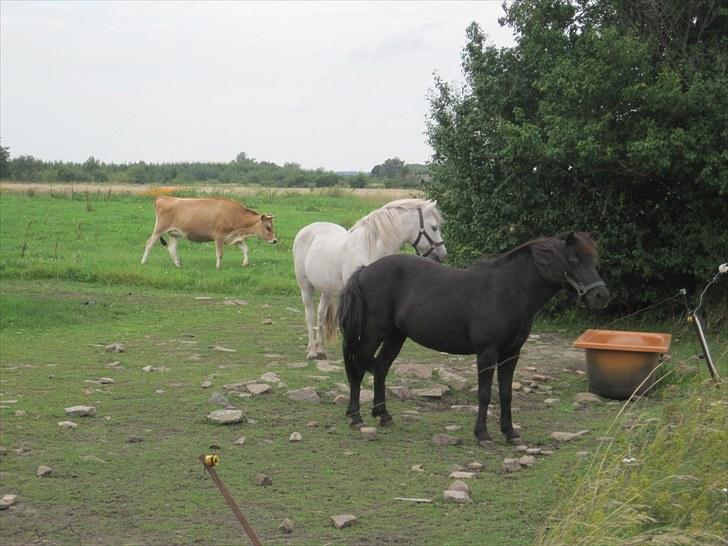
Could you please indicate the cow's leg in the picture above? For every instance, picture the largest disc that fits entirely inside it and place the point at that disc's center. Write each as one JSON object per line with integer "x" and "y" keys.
{"x": 150, "y": 243}
{"x": 323, "y": 308}
{"x": 219, "y": 244}
{"x": 244, "y": 249}
{"x": 387, "y": 353}
{"x": 172, "y": 249}
{"x": 486, "y": 365}
{"x": 505, "y": 392}
{"x": 310, "y": 312}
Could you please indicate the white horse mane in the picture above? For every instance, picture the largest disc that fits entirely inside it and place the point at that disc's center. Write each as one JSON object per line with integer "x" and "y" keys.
{"x": 385, "y": 223}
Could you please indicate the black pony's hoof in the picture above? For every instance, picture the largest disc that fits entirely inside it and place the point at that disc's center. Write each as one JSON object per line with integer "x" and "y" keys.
{"x": 483, "y": 437}
{"x": 516, "y": 440}
{"x": 512, "y": 436}
{"x": 386, "y": 421}
{"x": 356, "y": 422}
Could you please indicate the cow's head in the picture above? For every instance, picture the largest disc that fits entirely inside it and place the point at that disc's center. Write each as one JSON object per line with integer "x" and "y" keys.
{"x": 265, "y": 229}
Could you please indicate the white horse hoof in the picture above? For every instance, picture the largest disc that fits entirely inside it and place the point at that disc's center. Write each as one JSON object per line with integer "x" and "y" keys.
{"x": 311, "y": 356}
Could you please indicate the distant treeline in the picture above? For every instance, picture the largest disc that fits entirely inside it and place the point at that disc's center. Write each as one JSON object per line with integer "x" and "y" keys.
{"x": 242, "y": 170}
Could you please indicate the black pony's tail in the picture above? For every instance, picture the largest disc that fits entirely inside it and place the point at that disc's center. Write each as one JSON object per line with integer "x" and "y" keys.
{"x": 161, "y": 240}
{"x": 351, "y": 317}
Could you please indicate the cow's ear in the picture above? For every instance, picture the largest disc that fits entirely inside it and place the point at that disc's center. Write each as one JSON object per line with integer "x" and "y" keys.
{"x": 570, "y": 238}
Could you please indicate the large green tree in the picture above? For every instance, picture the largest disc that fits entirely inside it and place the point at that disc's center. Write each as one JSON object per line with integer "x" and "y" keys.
{"x": 607, "y": 115}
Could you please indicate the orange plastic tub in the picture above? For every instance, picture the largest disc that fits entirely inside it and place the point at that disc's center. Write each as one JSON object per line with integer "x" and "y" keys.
{"x": 617, "y": 362}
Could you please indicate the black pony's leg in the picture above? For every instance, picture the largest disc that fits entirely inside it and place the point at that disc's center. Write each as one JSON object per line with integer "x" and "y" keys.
{"x": 486, "y": 367}
{"x": 505, "y": 390}
{"x": 387, "y": 353}
{"x": 355, "y": 375}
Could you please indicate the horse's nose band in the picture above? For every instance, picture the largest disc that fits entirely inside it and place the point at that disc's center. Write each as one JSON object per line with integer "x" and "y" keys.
{"x": 581, "y": 290}
{"x": 423, "y": 233}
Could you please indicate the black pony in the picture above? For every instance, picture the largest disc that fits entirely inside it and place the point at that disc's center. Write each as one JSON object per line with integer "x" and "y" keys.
{"x": 487, "y": 309}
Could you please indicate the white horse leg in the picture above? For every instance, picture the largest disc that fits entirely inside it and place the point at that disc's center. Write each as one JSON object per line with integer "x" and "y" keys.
{"x": 244, "y": 249}
{"x": 172, "y": 248}
{"x": 307, "y": 297}
{"x": 323, "y": 308}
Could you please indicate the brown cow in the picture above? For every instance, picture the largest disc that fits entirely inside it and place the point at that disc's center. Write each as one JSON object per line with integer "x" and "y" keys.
{"x": 200, "y": 220}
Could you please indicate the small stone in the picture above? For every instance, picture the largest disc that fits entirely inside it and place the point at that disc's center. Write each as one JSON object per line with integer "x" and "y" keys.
{"x": 134, "y": 439}
{"x": 115, "y": 348}
{"x": 270, "y": 377}
{"x": 462, "y": 475}
{"x": 452, "y": 428}
{"x": 475, "y": 466}
{"x": 312, "y": 424}
{"x": 460, "y": 497}
{"x": 456, "y": 468}
{"x": 67, "y": 424}
{"x": 267, "y": 321}
{"x": 441, "y": 440}
{"x": 234, "y": 302}
{"x": 547, "y": 452}
{"x": 343, "y": 520}
{"x": 567, "y": 436}
{"x": 511, "y": 465}
{"x": 223, "y": 349}
{"x": 539, "y": 377}
{"x": 417, "y": 468}
{"x": 516, "y": 386}
{"x": 459, "y": 485}
{"x": 436, "y": 392}
{"x": 219, "y": 399}
{"x": 240, "y": 441}
{"x": 551, "y": 402}
{"x": 159, "y": 391}
{"x": 20, "y": 413}
{"x": 521, "y": 447}
{"x": 533, "y": 450}
{"x": 306, "y": 394}
{"x": 420, "y": 371}
{"x": 527, "y": 460}
{"x": 6, "y": 501}
{"x": 451, "y": 379}
{"x": 324, "y": 366}
{"x": 399, "y": 392}
{"x": 43, "y": 470}
{"x": 286, "y": 526}
{"x": 259, "y": 388}
{"x": 148, "y": 368}
{"x": 582, "y": 454}
{"x": 415, "y": 500}
{"x": 80, "y": 411}
{"x": 206, "y": 384}
{"x": 295, "y": 437}
{"x": 263, "y": 479}
{"x": 586, "y": 398}
{"x": 368, "y": 433}
{"x": 226, "y": 417}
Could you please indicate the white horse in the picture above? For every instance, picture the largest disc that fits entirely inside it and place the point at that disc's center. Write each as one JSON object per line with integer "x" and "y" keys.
{"x": 325, "y": 255}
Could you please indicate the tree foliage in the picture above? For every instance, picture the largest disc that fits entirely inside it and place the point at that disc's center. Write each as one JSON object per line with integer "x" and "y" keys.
{"x": 607, "y": 115}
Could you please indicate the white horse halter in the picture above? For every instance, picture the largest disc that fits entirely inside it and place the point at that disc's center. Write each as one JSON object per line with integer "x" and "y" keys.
{"x": 423, "y": 233}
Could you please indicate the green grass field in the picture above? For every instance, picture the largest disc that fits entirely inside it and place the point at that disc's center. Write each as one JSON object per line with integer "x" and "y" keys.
{"x": 71, "y": 283}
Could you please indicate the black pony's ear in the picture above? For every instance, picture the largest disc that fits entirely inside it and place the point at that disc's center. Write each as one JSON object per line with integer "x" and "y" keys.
{"x": 570, "y": 238}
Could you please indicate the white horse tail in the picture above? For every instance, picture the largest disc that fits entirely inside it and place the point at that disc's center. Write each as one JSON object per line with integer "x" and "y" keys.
{"x": 330, "y": 323}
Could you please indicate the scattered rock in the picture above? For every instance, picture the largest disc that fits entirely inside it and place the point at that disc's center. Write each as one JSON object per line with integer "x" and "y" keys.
{"x": 527, "y": 460}
{"x": 115, "y": 348}
{"x": 206, "y": 384}
{"x": 240, "y": 441}
{"x": 297, "y": 365}
{"x": 92, "y": 459}
{"x": 399, "y": 392}
{"x": 417, "y": 468}
{"x": 464, "y": 408}
{"x": 567, "y": 436}
{"x": 441, "y": 440}
{"x": 223, "y": 349}
{"x": 582, "y": 454}
{"x": 511, "y": 465}
{"x": 420, "y": 371}
{"x": 521, "y": 447}
{"x": 343, "y": 520}
{"x": 267, "y": 321}
{"x": 533, "y": 450}
{"x": 452, "y": 428}
{"x": 67, "y": 424}
{"x": 219, "y": 399}
{"x": 451, "y": 379}
{"x": 235, "y": 387}
{"x": 412, "y": 499}
{"x": 306, "y": 394}
{"x": 436, "y": 391}
{"x": 295, "y": 437}
{"x": 226, "y": 417}
{"x": 234, "y": 302}
{"x": 462, "y": 475}
{"x": 586, "y": 398}
{"x": 263, "y": 479}
{"x": 540, "y": 377}
{"x": 148, "y": 369}
{"x": 270, "y": 377}
{"x": 6, "y": 501}
{"x": 368, "y": 433}
{"x": 459, "y": 485}
{"x": 460, "y": 497}
{"x": 516, "y": 386}
{"x": 259, "y": 388}
{"x": 324, "y": 366}
{"x": 475, "y": 466}
{"x": 80, "y": 411}
{"x": 286, "y": 526}
{"x": 20, "y": 413}
{"x": 43, "y": 470}
{"x": 551, "y": 402}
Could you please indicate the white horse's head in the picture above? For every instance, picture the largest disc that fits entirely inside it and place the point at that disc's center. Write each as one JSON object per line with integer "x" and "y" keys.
{"x": 425, "y": 225}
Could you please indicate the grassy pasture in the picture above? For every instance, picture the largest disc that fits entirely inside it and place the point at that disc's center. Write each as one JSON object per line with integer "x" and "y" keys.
{"x": 71, "y": 282}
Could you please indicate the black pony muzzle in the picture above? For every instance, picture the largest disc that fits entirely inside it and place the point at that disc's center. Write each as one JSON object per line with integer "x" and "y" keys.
{"x": 602, "y": 296}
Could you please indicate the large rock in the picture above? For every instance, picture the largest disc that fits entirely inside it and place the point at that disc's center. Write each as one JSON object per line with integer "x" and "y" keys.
{"x": 226, "y": 417}
{"x": 80, "y": 411}
{"x": 343, "y": 520}
{"x": 306, "y": 394}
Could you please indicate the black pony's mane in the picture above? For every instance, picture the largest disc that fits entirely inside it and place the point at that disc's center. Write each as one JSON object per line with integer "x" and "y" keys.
{"x": 549, "y": 253}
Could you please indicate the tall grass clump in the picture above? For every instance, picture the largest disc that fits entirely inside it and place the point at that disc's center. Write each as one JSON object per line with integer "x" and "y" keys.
{"x": 659, "y": 481}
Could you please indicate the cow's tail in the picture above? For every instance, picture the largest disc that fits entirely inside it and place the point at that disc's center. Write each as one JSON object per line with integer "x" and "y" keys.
{"x": 161, "y": 240}
{"x": 351, "y": 317}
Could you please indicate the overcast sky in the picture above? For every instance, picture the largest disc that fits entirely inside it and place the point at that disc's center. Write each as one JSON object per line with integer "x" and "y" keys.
{"x": 338, "y": 85}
